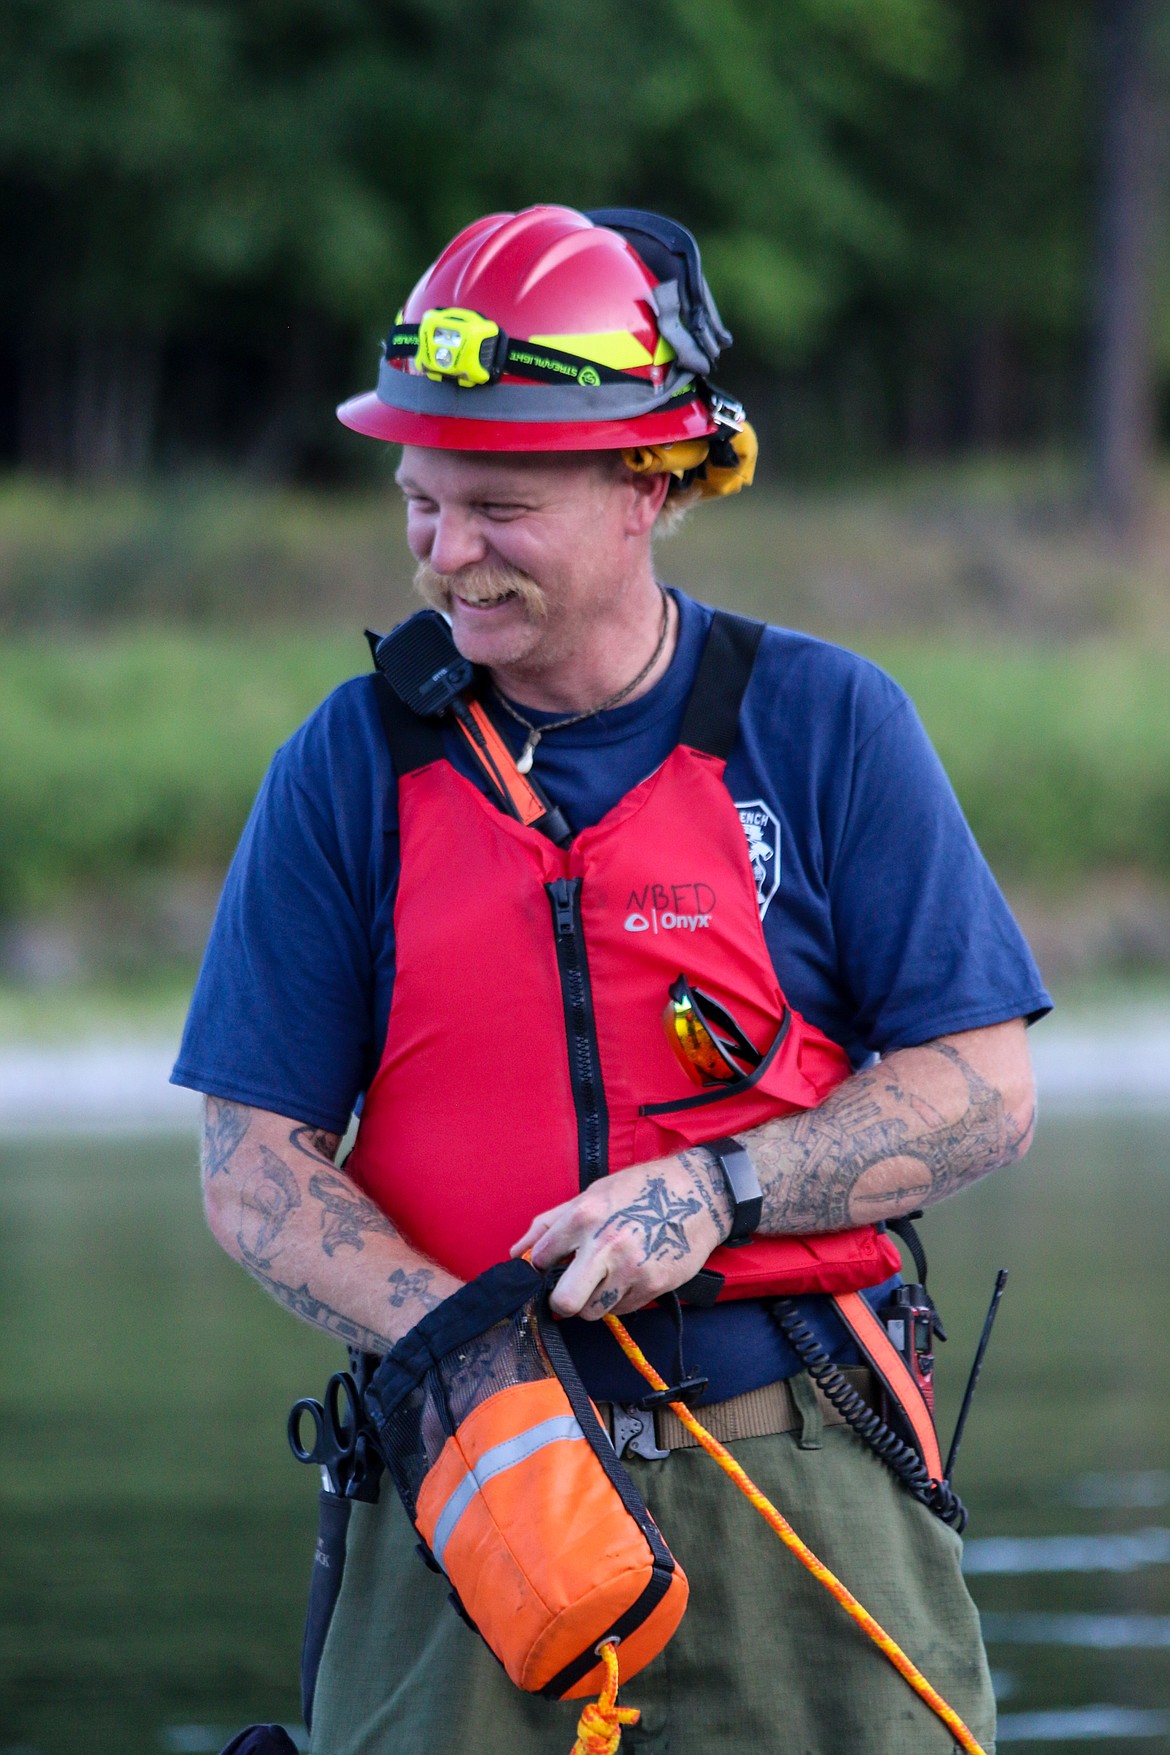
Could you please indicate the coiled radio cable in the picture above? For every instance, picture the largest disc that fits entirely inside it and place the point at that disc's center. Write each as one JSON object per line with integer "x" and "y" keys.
{"x": 900, "y": 1458}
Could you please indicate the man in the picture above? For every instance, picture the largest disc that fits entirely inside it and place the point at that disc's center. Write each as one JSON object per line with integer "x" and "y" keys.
{"x": 763, "y": 814}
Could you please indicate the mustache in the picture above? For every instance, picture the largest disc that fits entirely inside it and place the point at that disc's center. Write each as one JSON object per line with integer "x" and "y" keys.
{"x": 486, "y": 582}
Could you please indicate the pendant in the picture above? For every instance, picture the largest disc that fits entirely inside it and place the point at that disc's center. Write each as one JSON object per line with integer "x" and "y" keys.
{"x": 524, "y": 759}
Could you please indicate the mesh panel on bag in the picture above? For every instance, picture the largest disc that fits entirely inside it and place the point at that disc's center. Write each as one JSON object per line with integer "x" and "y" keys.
{"x": 508, "y": 1353}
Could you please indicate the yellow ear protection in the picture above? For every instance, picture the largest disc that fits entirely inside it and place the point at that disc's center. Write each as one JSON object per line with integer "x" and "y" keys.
{"x": 716, "y": 466}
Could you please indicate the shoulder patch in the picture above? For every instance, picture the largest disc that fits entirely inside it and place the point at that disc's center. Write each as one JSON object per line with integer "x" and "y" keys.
{"x": 762, "y": 828}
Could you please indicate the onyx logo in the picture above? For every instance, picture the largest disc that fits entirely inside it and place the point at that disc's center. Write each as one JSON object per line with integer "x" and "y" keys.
{"x": 762, "y": 828}
{"x": 670, "y": 908}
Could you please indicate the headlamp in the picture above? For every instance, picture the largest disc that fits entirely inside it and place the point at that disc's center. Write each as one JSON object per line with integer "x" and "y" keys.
{"x": 458, "y": 345}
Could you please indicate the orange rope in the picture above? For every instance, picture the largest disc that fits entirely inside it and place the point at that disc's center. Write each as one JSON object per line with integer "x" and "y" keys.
{"x": 599, "y": 1729}
{"x": 887, "y": 1646}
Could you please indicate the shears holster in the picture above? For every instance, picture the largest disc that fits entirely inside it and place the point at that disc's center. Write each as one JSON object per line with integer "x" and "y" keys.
{"x": 333, "y": 1514}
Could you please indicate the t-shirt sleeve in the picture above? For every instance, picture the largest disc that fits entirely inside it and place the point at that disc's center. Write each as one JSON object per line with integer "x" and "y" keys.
{"x": 926, "y": 942}
{"x": 282, "y": 1014}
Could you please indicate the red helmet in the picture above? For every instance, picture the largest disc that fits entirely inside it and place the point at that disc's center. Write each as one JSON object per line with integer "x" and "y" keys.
{"x": 552, "y": 330}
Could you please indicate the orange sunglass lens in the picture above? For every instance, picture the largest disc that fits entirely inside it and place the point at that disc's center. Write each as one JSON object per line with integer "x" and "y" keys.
{"x": 695, "y": 1049}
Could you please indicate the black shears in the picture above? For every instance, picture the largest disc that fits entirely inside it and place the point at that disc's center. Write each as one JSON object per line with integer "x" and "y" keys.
{"x": 342, "y": 1441}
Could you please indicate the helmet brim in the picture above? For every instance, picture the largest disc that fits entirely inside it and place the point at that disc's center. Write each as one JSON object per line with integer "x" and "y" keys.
{"x": 368, "y": 414}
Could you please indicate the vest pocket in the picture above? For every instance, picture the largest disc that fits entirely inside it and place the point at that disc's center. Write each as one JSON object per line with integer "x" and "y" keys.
{"x": 733, "y": 1088}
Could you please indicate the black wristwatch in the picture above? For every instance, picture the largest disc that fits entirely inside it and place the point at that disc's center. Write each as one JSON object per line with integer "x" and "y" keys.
{"x": 743, "y": 1186}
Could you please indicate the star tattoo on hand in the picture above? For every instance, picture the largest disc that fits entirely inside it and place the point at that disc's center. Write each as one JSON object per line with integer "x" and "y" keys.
{"x": 660, "y": 1216}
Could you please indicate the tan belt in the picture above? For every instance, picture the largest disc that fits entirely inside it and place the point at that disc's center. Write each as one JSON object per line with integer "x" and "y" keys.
{"x": 755, "y": 1414}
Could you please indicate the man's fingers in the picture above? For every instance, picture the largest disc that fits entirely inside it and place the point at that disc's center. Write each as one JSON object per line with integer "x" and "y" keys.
{"x": 565, "y": 1230}
{"x": 532, "y": 1236}
{"x": 539, "y": 1230}
{"x": 577, "y": 1285}
{"x": 605, "y": 1299}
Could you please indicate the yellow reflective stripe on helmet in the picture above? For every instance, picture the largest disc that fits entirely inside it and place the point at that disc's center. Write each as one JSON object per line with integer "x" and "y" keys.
{"x": 610, "y": 347}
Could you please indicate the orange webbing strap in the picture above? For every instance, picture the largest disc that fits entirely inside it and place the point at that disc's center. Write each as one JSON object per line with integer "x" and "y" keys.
{"x": 599, "y": 1729}
{"x": 880, "y": 1352}
{"x": 497, "y": 759}
{"x": 887, "y": 1646}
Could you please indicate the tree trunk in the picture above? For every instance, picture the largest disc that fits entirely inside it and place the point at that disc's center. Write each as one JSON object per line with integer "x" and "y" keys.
{"x": 1121, "y": 417}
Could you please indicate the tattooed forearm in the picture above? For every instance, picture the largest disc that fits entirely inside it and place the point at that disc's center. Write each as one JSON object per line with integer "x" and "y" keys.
{"x": 709, "y": 1184}
{"x": 315, "y": 1142}
{"x": 303, "y": 1303}
{"x": 307, "y": 1233}
{"x": 224, "y": 1127}
{"x": 349, "y": 1216}
{"x": 406, "y": 1287}
{"x": 270, "y": 1194}
{"x": 899, "y": 1135}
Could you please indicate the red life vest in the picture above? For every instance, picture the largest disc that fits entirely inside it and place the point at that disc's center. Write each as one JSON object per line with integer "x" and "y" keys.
{"x": 525, "y": 1054}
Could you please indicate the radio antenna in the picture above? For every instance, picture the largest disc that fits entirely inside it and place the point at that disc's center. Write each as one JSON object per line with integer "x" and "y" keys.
{"x": 976, "y": 1368}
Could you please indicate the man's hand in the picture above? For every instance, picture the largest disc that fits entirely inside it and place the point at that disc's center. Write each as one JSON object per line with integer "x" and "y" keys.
{"x": 633, "y": 1235}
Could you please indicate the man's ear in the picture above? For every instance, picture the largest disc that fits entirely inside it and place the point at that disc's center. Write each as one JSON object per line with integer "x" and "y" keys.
{"x": 647, "y": 495}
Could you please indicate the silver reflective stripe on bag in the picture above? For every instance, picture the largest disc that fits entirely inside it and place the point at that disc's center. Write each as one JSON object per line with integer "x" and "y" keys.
{"x": 563, "y": 1428}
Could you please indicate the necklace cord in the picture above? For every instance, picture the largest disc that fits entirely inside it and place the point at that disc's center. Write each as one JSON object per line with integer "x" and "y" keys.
{"x": 535, "y": 733}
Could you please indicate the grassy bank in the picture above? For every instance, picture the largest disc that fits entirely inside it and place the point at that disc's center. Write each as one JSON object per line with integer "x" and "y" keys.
{"x": 143, "y": 750}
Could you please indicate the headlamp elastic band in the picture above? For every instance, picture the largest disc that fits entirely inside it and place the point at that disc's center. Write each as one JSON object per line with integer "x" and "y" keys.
{"x": 494, "y": 354}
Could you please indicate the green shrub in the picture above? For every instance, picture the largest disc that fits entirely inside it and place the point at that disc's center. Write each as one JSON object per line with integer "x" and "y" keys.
{"x": 1061, "y": 758}
{"x": 145, "y": 749}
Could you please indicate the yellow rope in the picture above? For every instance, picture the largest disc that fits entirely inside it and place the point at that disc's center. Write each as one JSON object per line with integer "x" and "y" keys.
{"x": 599, "y": 1729}
{"x": 889, "y": 1647}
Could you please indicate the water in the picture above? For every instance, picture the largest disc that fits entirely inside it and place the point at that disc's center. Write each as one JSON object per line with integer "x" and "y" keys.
{"x": 158, "y": 1535}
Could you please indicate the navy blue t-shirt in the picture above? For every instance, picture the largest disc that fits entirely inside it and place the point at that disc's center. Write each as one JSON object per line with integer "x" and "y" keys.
{"x": 883, "y": 921}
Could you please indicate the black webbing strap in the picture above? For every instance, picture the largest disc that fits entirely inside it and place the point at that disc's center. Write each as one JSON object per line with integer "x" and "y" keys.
{"x": 711, "y": 720}
{"x": 414, "y": 742}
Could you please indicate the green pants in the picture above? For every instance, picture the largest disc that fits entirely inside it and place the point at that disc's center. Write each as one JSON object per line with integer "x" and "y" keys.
{"x": 764, "y": 1660}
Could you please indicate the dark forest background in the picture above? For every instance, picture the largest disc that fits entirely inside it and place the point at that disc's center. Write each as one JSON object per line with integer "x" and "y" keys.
{"x": 935, "y": 227}
{"x": 924, "y": 219}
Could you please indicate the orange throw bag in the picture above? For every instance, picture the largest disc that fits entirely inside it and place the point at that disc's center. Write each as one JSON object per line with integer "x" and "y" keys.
{"x": 510, "y": 1479}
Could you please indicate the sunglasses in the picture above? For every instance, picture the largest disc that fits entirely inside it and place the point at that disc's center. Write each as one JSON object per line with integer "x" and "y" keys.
{"x": 708, "y": 1043}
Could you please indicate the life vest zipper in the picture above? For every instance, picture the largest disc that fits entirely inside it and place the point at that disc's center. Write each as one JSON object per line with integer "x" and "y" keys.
{"x": 585, "y": 1079}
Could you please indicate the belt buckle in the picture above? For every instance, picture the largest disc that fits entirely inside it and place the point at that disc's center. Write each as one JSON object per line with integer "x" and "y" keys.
{"x": 633, "y": 1431}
